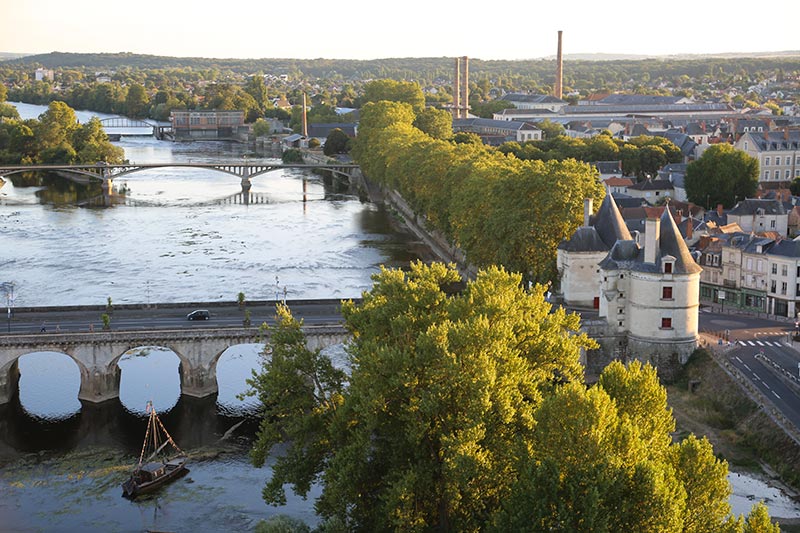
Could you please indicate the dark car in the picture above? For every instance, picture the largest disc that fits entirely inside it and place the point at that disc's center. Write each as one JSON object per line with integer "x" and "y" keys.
{"x": 199, "y": 314}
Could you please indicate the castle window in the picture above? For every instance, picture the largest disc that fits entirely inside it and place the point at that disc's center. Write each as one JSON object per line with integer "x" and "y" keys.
{"x": 666, "y": 322}
{"x": 666, "y": 293}
{"x": 667, "y": 267}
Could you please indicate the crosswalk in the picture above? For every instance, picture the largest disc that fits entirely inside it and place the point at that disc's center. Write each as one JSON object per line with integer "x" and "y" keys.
{"x": 764, "y": 343}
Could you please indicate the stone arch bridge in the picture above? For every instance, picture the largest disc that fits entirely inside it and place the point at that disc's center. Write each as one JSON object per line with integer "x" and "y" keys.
{"x": 97, "y": 355}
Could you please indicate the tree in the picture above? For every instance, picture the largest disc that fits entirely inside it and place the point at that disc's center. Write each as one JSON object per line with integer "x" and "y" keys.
{"x": 137, "y": 102}
{"x": 550, "y": 130}
{"x": 91, "y": 144}
{"x": 439, "y": 406}
{"x": 299, "y": 391}
{"x": 758, "y": 521}
{"x": 437, "y": 123}
{"x": 722, "y": 175}
{"x": 261, "y": 127}
{"x": 337, "y": 142}
{"x": 794, "y": 187}
{"x": 395, "y": 91}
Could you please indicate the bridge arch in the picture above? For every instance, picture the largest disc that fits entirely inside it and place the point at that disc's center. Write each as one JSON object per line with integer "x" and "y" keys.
{"x": 10, "y": 372}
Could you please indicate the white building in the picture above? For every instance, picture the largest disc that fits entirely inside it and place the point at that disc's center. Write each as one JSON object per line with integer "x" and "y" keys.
{"x": 760, "y": 215}
{"x": 578, "y": 257}
{"x": 651, "y": 294}
{"x": 777, "y": 152}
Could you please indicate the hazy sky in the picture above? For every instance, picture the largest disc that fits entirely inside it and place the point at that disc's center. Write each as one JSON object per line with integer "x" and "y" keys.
{"x": 359, "y": 29}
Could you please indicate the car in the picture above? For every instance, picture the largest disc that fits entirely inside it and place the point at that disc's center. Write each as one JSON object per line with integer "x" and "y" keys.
{"x": 198, "y": 314}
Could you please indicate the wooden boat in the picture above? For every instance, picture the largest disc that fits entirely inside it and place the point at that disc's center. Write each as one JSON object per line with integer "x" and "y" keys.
{"x": 160, "y": 467}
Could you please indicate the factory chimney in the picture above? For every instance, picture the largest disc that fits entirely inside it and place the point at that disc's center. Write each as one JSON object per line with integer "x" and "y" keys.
{"x": 558, "y": 89}
{"x": 461, "y": 88}
{"x": 305, "y": 119}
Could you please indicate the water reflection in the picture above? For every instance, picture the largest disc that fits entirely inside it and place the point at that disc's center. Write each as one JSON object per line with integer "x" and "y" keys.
{"x": 233, "y": 368}
{"x": 149, "y": 374}
{"x": 49, "y": 384}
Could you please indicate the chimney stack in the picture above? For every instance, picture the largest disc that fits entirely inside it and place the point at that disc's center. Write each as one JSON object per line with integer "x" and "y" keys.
{"x": 461, "y": 88}
{"x": 558, "y": 89}
{"x": 457, "y": 89}
{"x": 587, "y": 212}
{"x": 305, "y": 119}
{"x": 652, "y": 231}
{"x": 689, "y": 227}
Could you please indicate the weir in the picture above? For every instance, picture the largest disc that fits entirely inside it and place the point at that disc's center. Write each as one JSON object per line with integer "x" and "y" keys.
{"x": 97, "y": 355}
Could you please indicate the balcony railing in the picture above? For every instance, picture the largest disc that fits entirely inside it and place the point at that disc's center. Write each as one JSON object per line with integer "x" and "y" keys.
{"x": 729, "y": 283}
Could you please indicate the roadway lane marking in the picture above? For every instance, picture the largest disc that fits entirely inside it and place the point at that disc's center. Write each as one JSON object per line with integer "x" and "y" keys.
{"x": 745, "y": 365}
{"x": 760, "y": 343}
{"x": 751, "y": 343}
{"x": 776, "y": 395}
{"x": 737, "y": 358}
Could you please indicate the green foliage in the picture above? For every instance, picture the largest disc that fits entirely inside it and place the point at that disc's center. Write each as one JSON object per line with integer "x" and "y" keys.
{"x": 292, "y": 155}
{"x": 261, "y": 127}
{"x": 337, "y": 142}
{"x": 794, "y": 187}
{"x": 106, "y": 319}
{"x": 603, "y": 461}
{"x": 137, "y": 102}
{"x": 550, "y": 130}
{"x": 437, "y": 123}
{"x": 722, "y": 175}
{"x": 299, "y": 391}
{"x": 488, "y": 109}
{"x": 484, "y": 201}
{"x": 282, "y": 524}
{"x": 439, "y": 406}
{"x": 758, "y": 521}
{"x": 395, "y": 91}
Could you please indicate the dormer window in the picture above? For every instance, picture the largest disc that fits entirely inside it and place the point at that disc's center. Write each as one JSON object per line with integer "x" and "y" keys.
{"x": 667, "y": 267}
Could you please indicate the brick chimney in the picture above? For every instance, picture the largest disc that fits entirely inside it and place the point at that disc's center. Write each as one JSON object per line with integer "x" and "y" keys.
{"x": 558, "y": 89}
{"x": 689, "y": 227}
{"x": 587, "y": 212}
{"x": 652, "y": 231}
{"x": 678, "y": 216}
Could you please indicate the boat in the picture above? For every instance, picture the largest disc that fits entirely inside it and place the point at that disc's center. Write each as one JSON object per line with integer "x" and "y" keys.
{"x": 165, "y": 463}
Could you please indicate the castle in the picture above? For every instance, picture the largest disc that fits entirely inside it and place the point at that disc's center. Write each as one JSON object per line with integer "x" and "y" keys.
{"x": 644, "y": 288}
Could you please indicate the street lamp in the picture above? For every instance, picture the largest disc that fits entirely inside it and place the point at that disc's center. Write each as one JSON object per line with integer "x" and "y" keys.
{"x": 8, "y": 288}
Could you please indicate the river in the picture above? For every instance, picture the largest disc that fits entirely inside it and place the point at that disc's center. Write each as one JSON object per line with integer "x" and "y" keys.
{"x": 177, "y": 239}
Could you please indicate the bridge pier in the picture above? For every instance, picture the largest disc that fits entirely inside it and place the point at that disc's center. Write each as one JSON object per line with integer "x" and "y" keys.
{"x": 99, "y": 386}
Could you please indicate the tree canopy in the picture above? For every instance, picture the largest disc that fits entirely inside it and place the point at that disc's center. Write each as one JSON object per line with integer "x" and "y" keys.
{"x": 722, "y": 175}
{"x": 467, "y": 411}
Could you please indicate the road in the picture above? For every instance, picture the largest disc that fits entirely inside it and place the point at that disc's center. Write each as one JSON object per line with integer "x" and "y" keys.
{"x": 163, "y": 316}
{"x": 762, "y": 350}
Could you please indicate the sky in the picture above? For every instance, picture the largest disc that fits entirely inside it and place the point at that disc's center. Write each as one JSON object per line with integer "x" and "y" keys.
{"x": 361, "y": 29}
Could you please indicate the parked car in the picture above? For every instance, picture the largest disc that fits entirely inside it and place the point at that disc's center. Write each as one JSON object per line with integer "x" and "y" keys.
{"x": 199, "y": 314}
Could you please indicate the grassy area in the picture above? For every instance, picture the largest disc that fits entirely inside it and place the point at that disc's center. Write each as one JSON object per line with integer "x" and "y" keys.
{"x": 717, "y": 408}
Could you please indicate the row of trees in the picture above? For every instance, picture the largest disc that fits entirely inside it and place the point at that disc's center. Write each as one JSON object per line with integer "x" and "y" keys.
{"x": 500, "y": 209}
{"x": 56, "y": 137}
{"x": 641, "y": 156}
{"x": 468, "y": 412}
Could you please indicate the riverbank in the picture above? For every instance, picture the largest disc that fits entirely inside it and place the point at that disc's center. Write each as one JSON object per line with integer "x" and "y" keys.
{"x": 763, "y": 456}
